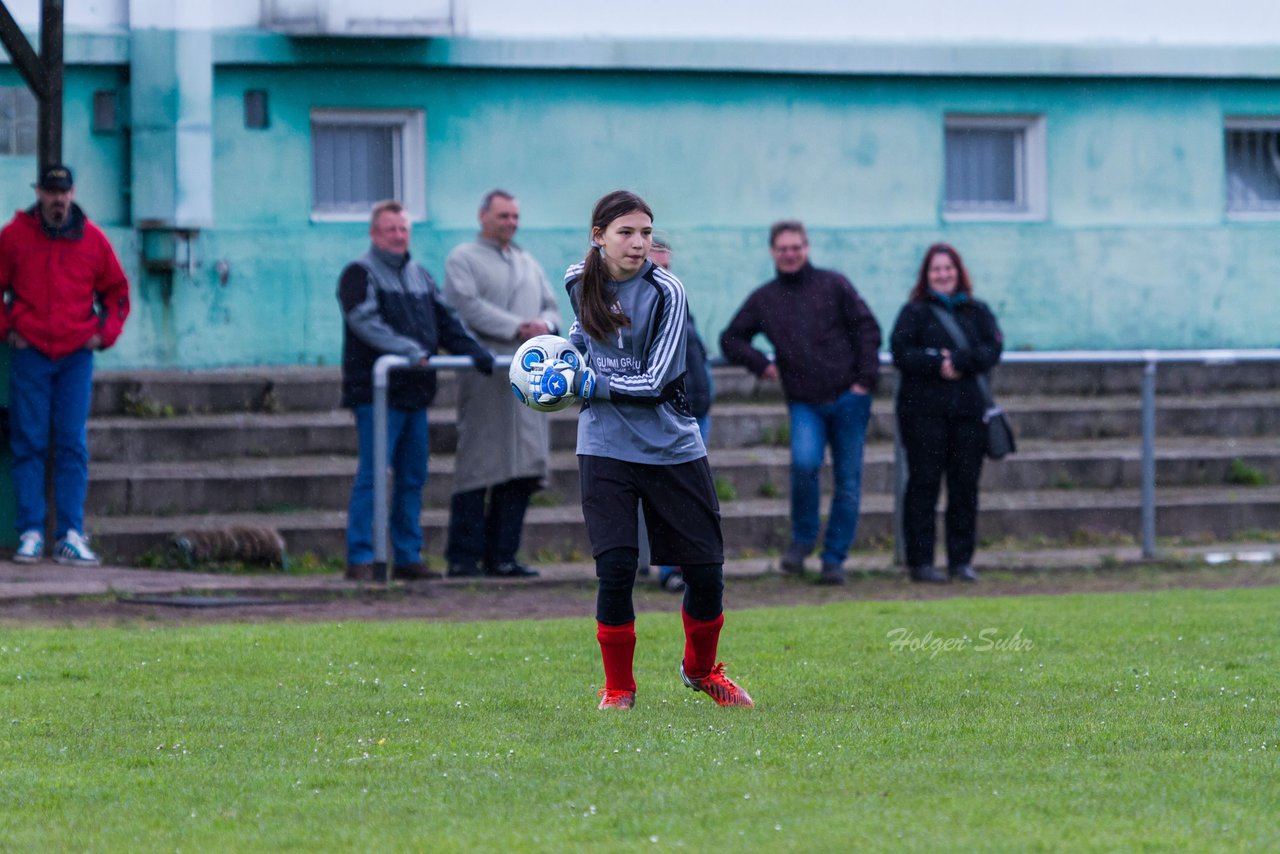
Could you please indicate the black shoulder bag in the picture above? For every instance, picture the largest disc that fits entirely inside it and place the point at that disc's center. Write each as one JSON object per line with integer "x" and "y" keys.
{"x": 1000, "y": 443}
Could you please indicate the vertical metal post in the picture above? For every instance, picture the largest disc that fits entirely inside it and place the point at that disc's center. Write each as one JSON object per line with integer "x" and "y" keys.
{"x": 899, "y": 480}
{"x": 1149, "y": 458}
{"x": 381, "y": 371}
{"x": 50, "y": 106}
{"x": 899, "y": 496}
{"x": 381, "y": 382}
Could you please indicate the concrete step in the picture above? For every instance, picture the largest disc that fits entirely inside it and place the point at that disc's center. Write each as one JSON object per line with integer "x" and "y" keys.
{"x": 323, "y": 482}
{"x": 256, "y": 435}
{"x": 122, "y": 439}
{"x": 231, "y": 390}
{"x": 1238, "y": 414}
{"x": 1038, "y": 465}
{"x": 735, "y": 425}
{"x": 1011, "y": 378}
{"x": 303, "y": 389}
{"x": 756, "y": 526}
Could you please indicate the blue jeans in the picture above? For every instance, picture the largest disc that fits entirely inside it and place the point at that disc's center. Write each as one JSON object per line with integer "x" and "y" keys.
{"x": 44, "y": 390}
{"x": 407, "y": 449}
{"x": 842, "y": 424}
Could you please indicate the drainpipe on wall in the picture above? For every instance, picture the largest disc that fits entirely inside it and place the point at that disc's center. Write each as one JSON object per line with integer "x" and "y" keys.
{"x": 171, "y": 109}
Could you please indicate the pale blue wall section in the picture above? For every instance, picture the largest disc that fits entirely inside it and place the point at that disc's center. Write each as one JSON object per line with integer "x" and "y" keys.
{"x": 172, "y": 92}
{"x": 1136, "y": 250}
{"x": 1135, "y": 153}
{"x": 100, "y": 160}
{"x": 729, "y": 152}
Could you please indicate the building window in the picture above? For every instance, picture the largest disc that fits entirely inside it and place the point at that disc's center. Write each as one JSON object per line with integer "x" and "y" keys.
{"x": 1253, "y": 166}
{"x": 104, "y": 112}
{"x": 995, "y": 167}
{"x": 360, "y": 157}
{"x": 256, "y": 116}
{"x": 17, "y": 120}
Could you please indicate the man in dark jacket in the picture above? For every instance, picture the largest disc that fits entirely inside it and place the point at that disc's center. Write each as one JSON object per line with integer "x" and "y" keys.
{"x": 826, "y": 344}
{"x": 390, "y": 305}
{"x": 65, "y": 296}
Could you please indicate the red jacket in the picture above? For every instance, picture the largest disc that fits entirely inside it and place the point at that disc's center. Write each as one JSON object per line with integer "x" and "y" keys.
{"x": 60, "y": 291}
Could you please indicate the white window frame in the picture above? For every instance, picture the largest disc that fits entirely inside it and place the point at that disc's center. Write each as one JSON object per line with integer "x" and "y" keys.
{"x": 20, "y": 91}
{"x": 409, "y": 174}
{"x": 1230, "y": 123}
{"x": 1030, "y": 168}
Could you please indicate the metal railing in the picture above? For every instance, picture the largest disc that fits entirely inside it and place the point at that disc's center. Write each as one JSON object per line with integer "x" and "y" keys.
{"x": 381, "y": 381}
{"x": 1148, "y": 359}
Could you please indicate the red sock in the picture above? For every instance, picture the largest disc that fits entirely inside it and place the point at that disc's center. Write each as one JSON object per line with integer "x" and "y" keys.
{"x": 617, "y": 648}
{"x": 701, "y": 637}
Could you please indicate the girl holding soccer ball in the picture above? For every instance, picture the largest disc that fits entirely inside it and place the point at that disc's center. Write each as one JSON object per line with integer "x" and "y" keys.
{"x": 639, "y": 444}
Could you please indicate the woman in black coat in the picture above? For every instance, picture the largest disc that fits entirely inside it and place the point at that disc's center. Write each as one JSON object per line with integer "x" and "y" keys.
{"x": 940, "y": 408}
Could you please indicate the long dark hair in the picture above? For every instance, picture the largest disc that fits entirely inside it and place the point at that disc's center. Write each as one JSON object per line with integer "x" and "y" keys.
{"x": 920, "y": 292}
{"x": 594, "y": 299}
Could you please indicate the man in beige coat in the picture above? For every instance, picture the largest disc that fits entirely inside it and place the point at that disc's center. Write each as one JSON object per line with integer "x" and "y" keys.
{"x": 502, "y": 295}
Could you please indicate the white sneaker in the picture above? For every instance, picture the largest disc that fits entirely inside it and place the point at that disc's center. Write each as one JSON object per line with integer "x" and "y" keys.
{"x": 30, "y": 548}
{"x": 73, "y": 550}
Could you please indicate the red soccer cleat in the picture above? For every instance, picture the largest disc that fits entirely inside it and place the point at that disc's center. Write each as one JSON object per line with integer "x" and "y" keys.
{"x": 718, "y": 687}
{"x": 624, "y": 700}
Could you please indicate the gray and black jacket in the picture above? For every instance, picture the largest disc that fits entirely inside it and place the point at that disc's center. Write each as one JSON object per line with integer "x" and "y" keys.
{"x": 640, "y": 413}
{"x": 390, "y": 304}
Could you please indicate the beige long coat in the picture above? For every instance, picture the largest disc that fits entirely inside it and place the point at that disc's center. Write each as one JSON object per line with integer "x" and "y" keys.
{"x": 494, "y": 291}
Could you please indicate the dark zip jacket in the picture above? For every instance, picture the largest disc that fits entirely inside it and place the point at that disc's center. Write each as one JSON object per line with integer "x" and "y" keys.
{"x": 825, "y": 338}
{"x": 391, "y": 305}
{"x": 917, "y": 341}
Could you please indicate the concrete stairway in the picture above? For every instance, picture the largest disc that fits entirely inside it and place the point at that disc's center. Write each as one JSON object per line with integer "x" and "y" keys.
{"x": 265, "y": 447}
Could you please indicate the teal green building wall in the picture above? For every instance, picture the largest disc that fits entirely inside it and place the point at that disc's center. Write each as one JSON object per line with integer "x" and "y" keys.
{"x": 101, "y": 160}
{"x": 1136, "y": 249}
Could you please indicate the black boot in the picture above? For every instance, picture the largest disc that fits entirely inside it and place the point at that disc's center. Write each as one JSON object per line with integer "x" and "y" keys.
{"x": 832, "y": 573}
{"x": 927, "y": 575}
{"x": 963, "y": 572}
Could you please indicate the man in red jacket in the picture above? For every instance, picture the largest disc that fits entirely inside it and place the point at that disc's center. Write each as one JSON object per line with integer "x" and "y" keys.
{"x": 65, "y": 296}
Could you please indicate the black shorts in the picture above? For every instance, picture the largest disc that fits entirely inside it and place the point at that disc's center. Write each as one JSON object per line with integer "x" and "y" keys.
{"x": 680, "y": 509}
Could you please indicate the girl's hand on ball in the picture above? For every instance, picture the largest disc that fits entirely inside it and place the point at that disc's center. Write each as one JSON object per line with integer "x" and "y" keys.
{"x": 548, "y": 382}
{"x": 583, "y": 383}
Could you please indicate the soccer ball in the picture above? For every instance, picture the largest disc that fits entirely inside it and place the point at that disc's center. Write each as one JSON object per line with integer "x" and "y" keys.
{"x": 558, "y": 355}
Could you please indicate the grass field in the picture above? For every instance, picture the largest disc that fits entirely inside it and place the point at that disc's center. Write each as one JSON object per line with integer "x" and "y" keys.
{"x": 1084, "y": 722}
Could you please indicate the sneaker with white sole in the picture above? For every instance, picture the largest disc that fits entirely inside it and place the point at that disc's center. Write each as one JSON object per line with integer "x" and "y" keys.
{"x": 73, "y": 550}
{"x": 30, "y": 548}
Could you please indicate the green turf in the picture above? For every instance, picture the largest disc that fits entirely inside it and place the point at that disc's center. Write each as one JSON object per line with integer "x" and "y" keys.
{"x": 1132, "y": 722}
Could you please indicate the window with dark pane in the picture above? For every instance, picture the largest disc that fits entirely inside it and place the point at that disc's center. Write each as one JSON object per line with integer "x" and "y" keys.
{"x": 104, "y": 112}
{"x": 1253, "y": 169}
{"x": 256, "y": 116}
{"x": 983, "y": 169}
{"x": 17, "y": 121}
{"x": 355, "y": 166}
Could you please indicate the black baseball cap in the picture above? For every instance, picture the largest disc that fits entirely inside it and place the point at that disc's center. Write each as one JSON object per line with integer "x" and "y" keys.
{"x": 56, "y": 177}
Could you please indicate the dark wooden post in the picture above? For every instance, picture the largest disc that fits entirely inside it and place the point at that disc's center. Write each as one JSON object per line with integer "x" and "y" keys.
{"x": 50, "y": 116}
{"x": 43, "y": 74}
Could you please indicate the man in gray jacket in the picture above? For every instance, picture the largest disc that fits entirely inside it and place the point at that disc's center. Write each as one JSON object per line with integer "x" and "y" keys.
{"x": 503, "y": 455}
{"x": 389, "y": 305}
